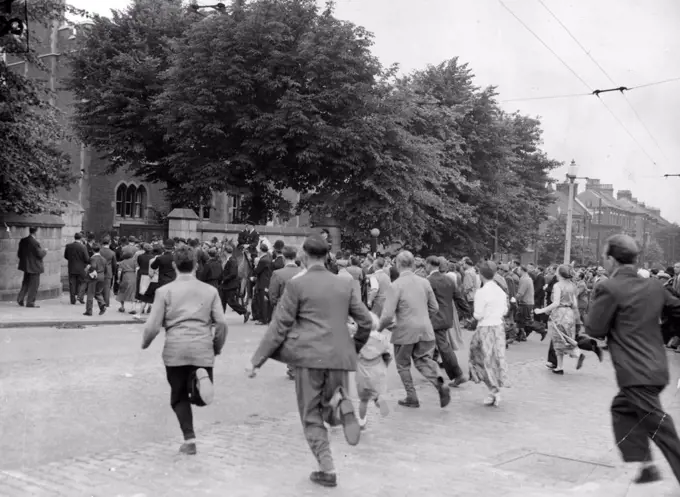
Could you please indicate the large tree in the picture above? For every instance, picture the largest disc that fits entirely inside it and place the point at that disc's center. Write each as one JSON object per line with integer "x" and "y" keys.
{"x": 33, "y": 167}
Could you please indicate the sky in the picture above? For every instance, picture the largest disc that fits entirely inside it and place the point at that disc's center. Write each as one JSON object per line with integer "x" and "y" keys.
{"x": 628, "y": 140}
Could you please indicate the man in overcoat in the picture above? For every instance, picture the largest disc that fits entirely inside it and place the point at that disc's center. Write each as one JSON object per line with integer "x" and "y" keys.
{"x": 626, "y": 309}
{"x": 309, "y": 332}
{"x": 31, "y": 256}
{"x": 76, "y": 255}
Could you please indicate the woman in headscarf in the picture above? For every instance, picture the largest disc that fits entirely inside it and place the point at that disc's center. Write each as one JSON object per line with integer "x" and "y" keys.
{"x": 487, "y": 347}
{"x": 562, "y": 323}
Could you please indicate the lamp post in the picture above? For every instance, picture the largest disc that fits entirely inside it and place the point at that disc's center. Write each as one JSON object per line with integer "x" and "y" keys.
{"x": 571, "y": 176}
{"x": 375, "y": 233}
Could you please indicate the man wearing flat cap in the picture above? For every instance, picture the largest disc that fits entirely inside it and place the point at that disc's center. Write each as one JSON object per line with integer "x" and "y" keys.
{"x": 309, "y": 332}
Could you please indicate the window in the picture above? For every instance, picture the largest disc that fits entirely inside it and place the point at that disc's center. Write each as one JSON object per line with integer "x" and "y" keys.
{"x": 120, "y": 200}
{"x": 131, "y": 201}
{"x": 234, "y": 209}
{"x": 207, "y": 205}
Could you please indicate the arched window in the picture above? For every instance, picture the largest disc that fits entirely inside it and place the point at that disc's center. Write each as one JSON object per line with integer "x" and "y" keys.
{"x": 139, "y": 209}
{"x": 130, "y": 200}
{"x": 120, "y": 200}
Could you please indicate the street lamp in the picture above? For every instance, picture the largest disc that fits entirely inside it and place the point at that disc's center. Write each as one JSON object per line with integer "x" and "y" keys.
{"x": 375, "y": 233}
{"x": 572, "y": 172}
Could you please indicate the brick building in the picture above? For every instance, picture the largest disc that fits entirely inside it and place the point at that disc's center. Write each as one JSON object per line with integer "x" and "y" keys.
{"x": 118, "y": 201}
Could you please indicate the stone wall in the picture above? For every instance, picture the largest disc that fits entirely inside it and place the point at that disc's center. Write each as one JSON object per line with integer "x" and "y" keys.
{"x": 12, "y": 229}
{"x": 290, "y": 235}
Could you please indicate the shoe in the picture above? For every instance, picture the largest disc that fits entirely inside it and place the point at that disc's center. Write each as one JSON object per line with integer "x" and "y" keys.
{"x": 102, "y": 310}
{"x": 324, "y": 479}
{"x": 21, "y": 304}
{"x": 458, "y": 381}
{"x": 81, "y": 301}
{"x": 408, "y": 402}
{"x": 579, "y": 362}
{"x": 246, "y": 318}
{"x": 362, "y": 422}
{"x": 383, "y": 406}
{"x": 122, "y": 309}
{"x": 598, "y": 352}
{"x": 543, "y": 334}
{"x": 550, "y": 365}
{"x": 188, "y": 449}
{"x": 205, "y": 387}
{"x": 345, "y": 414}
{"x": 444, "y": 393}
{"x": 493, "y": 400}
{"x": 558, "y": 371}
{"x": 648, "y": 474}
{"x": 87, "y": 313}
{"x": 133, "y": 312}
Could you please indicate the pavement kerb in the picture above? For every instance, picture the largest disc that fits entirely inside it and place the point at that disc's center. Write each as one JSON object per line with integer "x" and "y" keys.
{"x": 65, "y": 323}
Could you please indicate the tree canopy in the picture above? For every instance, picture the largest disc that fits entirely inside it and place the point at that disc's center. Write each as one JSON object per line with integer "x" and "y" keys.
{"x": 33, "y": 167}
{"x": 270, "y": 95}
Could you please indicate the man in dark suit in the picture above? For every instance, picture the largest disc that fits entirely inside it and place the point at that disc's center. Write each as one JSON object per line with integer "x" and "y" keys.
{"x": 76, "y": 255}
{"x": 309, "y": 332}
{"x": 111, "y": 268}
{"x": 164, "y": 264}
{"x": 442, "y": 321}
{"x": 627, "y": 309}
{"x": 31, "y": 256}
{"x": 279, "y": 260}
{"x": 231, "y": 284}
{"x": 262, "y": 276}
{"x": 96, "y": 277}
{"x": 249, "y": 239}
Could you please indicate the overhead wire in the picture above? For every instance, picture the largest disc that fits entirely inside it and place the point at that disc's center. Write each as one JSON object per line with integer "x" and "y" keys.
{"x": 602, "y": 69}
{"x": 579, "y": 78}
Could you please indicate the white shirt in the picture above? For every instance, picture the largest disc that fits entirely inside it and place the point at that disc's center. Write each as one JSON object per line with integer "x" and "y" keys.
{"x": 490, "y": 305}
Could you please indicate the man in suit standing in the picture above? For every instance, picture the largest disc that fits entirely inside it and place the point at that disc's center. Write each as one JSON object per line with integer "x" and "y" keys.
{"x": 165, "y": 264}
{"x": 249, "y": 239}
{"x": 96, "y": 277}
{"x": 627, "y": 310}
{"x": 262, "y": 275}
{"x": 231, "y": 285}
{"x": 111, "y": 268}
{"x": 410, "y": 305}
{"x": 31, "y": 256}
{"x": 442, "y": 321}
{"x": 309, "y": 332}
{"x": 76, "y": 255}
{"x": 279, "y": 260}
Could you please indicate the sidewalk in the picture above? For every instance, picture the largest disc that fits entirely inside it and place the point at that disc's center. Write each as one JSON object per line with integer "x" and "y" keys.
{"x": 59, "y": 313}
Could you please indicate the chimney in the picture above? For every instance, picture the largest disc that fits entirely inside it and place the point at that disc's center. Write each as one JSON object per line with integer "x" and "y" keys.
{"x": 592, "y": 184}
{"x": 564, "y": 188}
{"x": 634, "y": 200}
{"x": 607, "y": 189}
{"x": 627, "y": 194}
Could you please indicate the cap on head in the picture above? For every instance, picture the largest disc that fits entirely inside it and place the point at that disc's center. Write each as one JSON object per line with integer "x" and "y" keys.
{"x": 315, "y": 246}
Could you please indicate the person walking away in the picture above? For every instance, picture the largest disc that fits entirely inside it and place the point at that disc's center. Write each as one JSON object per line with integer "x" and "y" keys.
{"x": 165, "y": 264}
{"x": 487, "y": 347}
{"x": 111, "y": 268}
{"x": 96, "y": 279}
{"x": 127, "y": 282}
{"x": 371, "y": 377}
{"x": 78, "y": 259}
{"x": 30, "y": 255}
{"x": 582, "y": 295}
{"x": 380, "y": 284}
{"x": 626, "y": 309}
{"x": 562, "y": 322}
{"x": 525, "y": 304}
{"x": 189, "y": 310}
{"x": 447, "y": 296}
{"x": 470, "y": 285}
{"x": 262, "y": 277}
{"x": 211, "y": 270}
{"x": 309, "y": 332}
{"x": 409, "y": 306}
{"x": 231, "y": 286}
{"x": 143, "y": 279}
{"x": 150, "y": 294}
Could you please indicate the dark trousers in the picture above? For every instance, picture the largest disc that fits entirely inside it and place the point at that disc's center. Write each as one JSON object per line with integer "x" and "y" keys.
{"x": 261, "y": 306}
{"x": 421, "y": 355}
{"x": 95, "y": 291}
{"x": 525, "y": 318}
{"x": 230, "y": 298}
{"x": 108, "y": 283}
{"x": 314, "y": 389}
{"x": 29, "y": 288}
{"x": 447, "y": 354}
{"x": 584, "y": 342}
{"x": 637, "y": 417}
{"x": 180, "y": 378}
{"x": 77, "y": 286}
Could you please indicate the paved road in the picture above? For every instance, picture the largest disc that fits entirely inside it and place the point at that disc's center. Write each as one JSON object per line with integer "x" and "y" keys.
{"x": 72, "y": 423}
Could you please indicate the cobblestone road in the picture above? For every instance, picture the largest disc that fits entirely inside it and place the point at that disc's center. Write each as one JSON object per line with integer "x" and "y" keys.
{"x": 74, "y": 425}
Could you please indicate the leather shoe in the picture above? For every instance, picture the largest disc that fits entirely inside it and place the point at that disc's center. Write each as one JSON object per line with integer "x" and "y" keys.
{"x": 324, "y": 479}
{"x": 407, "y": 402}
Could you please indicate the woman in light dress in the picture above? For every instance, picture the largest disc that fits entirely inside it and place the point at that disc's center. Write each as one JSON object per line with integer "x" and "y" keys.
{"x": 562, "y": 323}
{"x": 127, "y": 287}
{"x": 487, "y": 347}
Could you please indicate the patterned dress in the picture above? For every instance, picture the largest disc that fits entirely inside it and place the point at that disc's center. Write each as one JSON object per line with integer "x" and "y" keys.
{"x": 562, "y": 323}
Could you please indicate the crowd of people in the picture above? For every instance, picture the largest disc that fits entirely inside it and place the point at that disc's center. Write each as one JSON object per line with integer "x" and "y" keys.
{"x": 328, "y": 315}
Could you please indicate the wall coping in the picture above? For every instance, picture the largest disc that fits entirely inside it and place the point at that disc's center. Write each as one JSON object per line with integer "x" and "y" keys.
{"x": 183, "y": 214}
{"x": 31, "y": 220}
{"x": 264, "y": 230}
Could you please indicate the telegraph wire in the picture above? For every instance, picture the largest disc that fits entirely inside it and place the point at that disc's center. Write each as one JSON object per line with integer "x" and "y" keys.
{"x": 594, "y": 92}
{"x": 655, "y": 83}
{"x": 611, "y": 80}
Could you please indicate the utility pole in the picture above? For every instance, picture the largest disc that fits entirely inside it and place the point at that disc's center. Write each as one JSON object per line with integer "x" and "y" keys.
{"x": 571, "y": 176}
{"x": 599, "y": 228}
